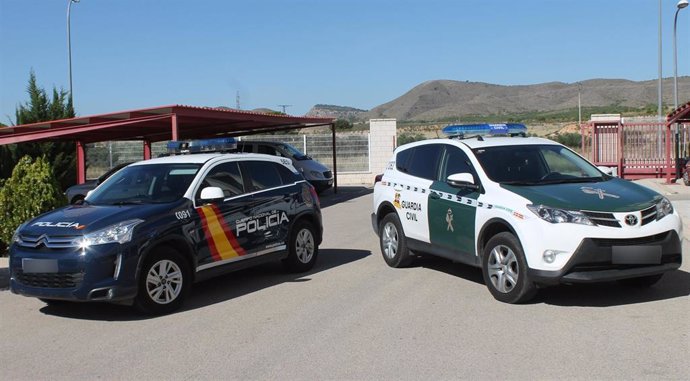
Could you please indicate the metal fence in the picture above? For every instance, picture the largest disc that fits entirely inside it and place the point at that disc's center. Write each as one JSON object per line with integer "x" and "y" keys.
{"x": 353, "y": 151}
{"x": 636, "y": 150}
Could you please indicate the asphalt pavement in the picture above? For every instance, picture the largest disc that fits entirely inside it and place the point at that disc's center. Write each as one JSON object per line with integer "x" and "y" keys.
{"x": 353, "y": 317}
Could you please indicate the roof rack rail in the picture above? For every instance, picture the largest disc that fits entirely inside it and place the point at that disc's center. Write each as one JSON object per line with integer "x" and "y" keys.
{"x": 185, "y": 147}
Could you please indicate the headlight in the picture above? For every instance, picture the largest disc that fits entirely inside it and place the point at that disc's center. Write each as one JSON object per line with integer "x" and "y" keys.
{"x": 557, "y": 216}
{"x": 120, "y": 233}
{"x": 316, "y": 174}
{"x": 663, "y": 208}
{"x": 15, "y": 236}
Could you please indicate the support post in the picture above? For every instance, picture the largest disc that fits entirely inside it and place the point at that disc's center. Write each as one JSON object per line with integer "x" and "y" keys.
{"x": 335, "y": 170}
{"x": 147, "y": 149}
{"x": 669, "y": 168}
{"x": 174, "y": 127}
{"x": 81, "y": 163}
{"x": 619, "y": 150}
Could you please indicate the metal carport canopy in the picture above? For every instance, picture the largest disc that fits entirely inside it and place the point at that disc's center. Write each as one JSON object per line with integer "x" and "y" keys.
{"x": 175, "y": 122}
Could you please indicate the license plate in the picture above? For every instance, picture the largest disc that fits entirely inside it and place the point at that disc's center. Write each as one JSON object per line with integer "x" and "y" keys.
{"x": 39, "y": 265}
{"x": 636, "y": 255}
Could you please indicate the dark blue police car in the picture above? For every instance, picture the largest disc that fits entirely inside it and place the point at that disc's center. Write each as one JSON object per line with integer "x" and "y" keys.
{"x": 156, "y": 226}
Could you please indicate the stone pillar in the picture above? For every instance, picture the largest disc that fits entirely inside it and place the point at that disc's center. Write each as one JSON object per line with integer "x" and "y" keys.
{"x": 382, "y": 141}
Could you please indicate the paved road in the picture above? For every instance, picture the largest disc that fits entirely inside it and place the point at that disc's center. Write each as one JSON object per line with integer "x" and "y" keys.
{"x": 355, "y": 318}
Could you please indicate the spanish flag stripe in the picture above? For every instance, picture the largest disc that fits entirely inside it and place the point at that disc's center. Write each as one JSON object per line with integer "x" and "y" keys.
{"x": 218, "y": 235}
{"x": 228, "y": 233}
{"x": 211, "y": 244}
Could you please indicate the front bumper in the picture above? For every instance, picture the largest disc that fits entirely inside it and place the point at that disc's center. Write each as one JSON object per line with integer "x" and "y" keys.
{"x": 99, "y": 273}
{"x": 321, "y": 185}
{"x": 593, "y": 261}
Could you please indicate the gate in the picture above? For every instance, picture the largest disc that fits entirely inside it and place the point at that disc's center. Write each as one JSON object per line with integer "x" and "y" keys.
{"x": 636, "y": 150}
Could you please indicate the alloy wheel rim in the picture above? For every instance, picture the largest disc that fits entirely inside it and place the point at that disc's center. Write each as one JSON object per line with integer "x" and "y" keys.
{"x": 164, "y": 281}
{"x": 503, "y": 269}
{"x": 304, "y": 246}
{"x": 390, "y": 240}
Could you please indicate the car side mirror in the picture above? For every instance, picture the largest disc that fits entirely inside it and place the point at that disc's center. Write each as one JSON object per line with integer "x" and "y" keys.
{"x": 211, "y": 194}
{"x": 462, "y": 180}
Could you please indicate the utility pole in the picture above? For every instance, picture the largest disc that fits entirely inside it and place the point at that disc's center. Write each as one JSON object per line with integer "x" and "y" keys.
{"x": 284, "y": 107}
{"x": 237, "y": 100}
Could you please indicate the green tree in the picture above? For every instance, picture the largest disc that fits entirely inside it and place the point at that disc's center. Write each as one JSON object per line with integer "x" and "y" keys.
{"x": 31, "y": 190}
{"x": 41, "y": 108}
{"x": 342, "y": 124}
{"x": 405, "y": 138}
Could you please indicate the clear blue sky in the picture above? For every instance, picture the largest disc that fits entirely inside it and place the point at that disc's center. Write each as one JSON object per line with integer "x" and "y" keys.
{"x": 130, "y": 54}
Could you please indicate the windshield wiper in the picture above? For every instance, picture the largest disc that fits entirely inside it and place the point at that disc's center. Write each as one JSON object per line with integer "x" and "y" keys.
{"x": 128, "y": 202}
{"x": 573, "y": 180}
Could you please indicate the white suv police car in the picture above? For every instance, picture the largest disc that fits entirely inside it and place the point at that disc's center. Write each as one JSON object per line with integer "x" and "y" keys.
{"x": 528, "y": 211}
{"x": 156, "y": 226}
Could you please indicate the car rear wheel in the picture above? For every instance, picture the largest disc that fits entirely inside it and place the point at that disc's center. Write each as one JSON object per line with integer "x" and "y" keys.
{"x": 505, "y": 270}
{"x": 164, "y": 282}
{"x": 303, "y": 249}
{"x": 393, "y": 242}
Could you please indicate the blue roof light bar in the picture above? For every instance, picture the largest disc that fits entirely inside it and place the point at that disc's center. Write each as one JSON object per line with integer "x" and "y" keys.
{"x": 483, "y": 129}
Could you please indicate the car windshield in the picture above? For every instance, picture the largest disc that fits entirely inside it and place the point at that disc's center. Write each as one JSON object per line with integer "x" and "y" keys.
{"x": 297, "y": 154}
{"x": 536, "y": 165}
{"x": 145, "y": 184}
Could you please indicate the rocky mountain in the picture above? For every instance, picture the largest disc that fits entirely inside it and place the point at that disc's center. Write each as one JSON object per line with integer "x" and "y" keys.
{"x": 338, "y": 112}
{"x": 445, "y": 99}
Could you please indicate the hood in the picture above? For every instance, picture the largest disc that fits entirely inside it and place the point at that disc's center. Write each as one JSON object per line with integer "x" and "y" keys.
{"x": 82, "y": 219}
{"x": 613, "y": 195}
{"x": 311, "y": 165}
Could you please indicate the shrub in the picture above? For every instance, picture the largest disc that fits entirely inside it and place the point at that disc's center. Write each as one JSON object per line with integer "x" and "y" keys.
{"x": 569, "y": 139}
{"x": 30, "y": 191}
{"x": 405, "y": 138}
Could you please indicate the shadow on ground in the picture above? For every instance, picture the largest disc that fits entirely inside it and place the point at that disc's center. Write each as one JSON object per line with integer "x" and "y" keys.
{"x": 212, "y": 291}
{"x": 329, "y": 198}
{"x": 674, "y": 284}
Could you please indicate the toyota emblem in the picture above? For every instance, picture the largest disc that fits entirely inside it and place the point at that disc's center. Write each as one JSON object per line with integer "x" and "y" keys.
{"x": 631, "y": 220}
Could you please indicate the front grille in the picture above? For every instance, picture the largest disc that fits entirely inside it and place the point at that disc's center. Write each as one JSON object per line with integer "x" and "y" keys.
{"x": 602, "y": 219}
{"x": 328, "y": 174}
{"x": 49, "y": 280}
{"x": 51, "y": 242}
{"x": 608, "y": 242}
{"x": 648, "y": 215}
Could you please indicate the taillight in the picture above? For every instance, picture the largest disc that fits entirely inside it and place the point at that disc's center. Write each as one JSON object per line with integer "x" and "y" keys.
{"x": 314, "y": 196}
{"x": 378, "y": 178}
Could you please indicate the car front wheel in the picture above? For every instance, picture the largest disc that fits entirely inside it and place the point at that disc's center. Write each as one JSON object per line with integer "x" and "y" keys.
{"x": 505, "y": 270}
{"x": 164, "y": 282}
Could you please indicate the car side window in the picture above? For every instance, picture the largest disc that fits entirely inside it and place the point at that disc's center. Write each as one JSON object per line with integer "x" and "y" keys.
{"x": 401, "y": 160}
{"x": 266, "y": 149}
{"x": 262, "y": 174}
{"x": 226, "y": 176}
{"x": 424, "y": 161}
{"x": 247, "y": 148}
{"x": 455, "y": 161}
{"x": 287, "y": 175}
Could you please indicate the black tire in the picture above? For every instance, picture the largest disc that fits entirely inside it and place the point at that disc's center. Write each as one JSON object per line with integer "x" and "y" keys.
{"x": 505, "y": 270}
{"x": 393, "y": 242}
{"x": 641, "y": 282}
{"x": 302, "y": 249}
{"x": 173, "y": 274}
{"x": 686, "y": 177}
